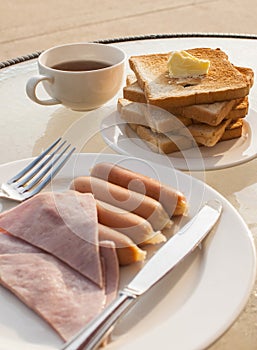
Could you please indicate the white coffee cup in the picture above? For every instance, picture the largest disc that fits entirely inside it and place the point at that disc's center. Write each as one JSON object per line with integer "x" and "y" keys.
{"x": 78, "y": 89}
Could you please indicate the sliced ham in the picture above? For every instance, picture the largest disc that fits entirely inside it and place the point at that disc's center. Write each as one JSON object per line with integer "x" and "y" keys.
{"x": 60, "y": 295}
{"x": 63, "y": 224}
{"x": 111, "y": 269}
{"x": 12, "y": 245}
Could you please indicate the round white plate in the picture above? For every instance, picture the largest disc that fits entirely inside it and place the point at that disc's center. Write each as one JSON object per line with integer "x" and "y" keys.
{"x": 225, "y": 154}
{"x": 190, "y": 308}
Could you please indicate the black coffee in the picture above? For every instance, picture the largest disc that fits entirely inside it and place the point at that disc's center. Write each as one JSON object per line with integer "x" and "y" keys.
{"x": 81, "y": 65}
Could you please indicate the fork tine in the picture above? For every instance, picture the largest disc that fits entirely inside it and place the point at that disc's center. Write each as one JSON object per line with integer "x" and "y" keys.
{"x": 36, "y": 170}
{"x": 50, "y": 176}
{"x": 33, "y": 163}
{"x": 51, "y": 167}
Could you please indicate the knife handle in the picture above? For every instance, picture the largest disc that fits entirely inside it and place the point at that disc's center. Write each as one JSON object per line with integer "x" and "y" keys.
{"x": 92, "y": 335}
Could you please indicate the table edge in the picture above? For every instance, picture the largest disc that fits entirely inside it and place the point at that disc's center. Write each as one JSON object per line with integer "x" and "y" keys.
{"x": 34, "y": 55}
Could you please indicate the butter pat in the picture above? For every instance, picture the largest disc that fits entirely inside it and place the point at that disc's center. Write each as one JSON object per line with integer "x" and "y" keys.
{"x": 182, "y": 64}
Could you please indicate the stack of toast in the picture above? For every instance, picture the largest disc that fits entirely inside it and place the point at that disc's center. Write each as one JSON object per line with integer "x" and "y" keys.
{"x": 172, "y": 114}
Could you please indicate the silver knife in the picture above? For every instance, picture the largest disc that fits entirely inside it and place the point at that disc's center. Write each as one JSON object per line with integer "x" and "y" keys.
{"x": 166, "y": 258}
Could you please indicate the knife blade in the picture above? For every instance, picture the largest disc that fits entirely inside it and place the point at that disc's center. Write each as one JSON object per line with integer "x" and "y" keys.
{"x": 165, "y": 259}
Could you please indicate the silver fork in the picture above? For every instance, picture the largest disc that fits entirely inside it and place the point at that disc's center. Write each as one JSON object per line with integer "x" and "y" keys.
{"x": 37, "y": 174}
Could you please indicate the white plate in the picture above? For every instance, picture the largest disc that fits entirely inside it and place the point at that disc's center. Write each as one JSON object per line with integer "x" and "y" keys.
{"x": 225, "y": 154}
{"x": 190, "y": 308}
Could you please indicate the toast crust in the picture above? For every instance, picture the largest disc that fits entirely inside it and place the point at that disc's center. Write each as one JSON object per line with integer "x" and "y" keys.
{"x": 234, "y": 130}
{"x": 240, "y": 110}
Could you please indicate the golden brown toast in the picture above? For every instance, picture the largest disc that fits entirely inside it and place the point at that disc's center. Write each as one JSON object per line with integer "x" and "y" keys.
{"x": 233, "y": 130}
{"x": 223, "y": 81}
{"x": 160, "y": 143}
{"x": 166, "y": 130}
{"x": 207, "y": 135}
{"x": 240, "y": 110}
{"x": 162, "y": 121}
{"x": 248, "y": 72}
{"x": 211, "y": 114}
{"x": 156, "y": 118}
{"x": 167, "y": 144}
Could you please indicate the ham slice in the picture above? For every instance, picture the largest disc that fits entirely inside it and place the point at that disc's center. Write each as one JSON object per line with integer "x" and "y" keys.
{"x": 63, "y": 297}
{"x": 12, "y": 245}
{"x": 111, "y": 269}
{"x": 63, "y": 224}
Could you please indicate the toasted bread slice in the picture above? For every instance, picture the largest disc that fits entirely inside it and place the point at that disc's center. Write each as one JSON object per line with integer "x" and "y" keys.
{"x": 133, "y": 92}
{"x": 208, "y": 113}
{"x": 223, "y": 81}
{"x": 131, "y": 79}
{"x": 160, "y": 121}
{"x": 248, "y": 72}
{"x": 207, "y": 135}
{"x": 157, "y": 119}
{"x": 240, "y": 110}
{"x": 161, "y": 143}
{"x": 233, "y": 130}
{"x": 133, "y": 87}
{"x": 168, "y": 142}
{"x": 211, "y": 114}
{"x": 131, "y": 112}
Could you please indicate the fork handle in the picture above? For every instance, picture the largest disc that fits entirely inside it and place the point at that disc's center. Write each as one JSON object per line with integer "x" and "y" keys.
{"x": 92, "y": 335}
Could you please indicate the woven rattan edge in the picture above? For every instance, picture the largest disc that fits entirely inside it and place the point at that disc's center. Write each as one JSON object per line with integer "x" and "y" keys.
{"x": 34, "y": 55}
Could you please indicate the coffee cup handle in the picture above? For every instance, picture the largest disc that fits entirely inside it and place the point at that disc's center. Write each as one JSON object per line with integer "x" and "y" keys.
{"x": 31, "y": 90}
